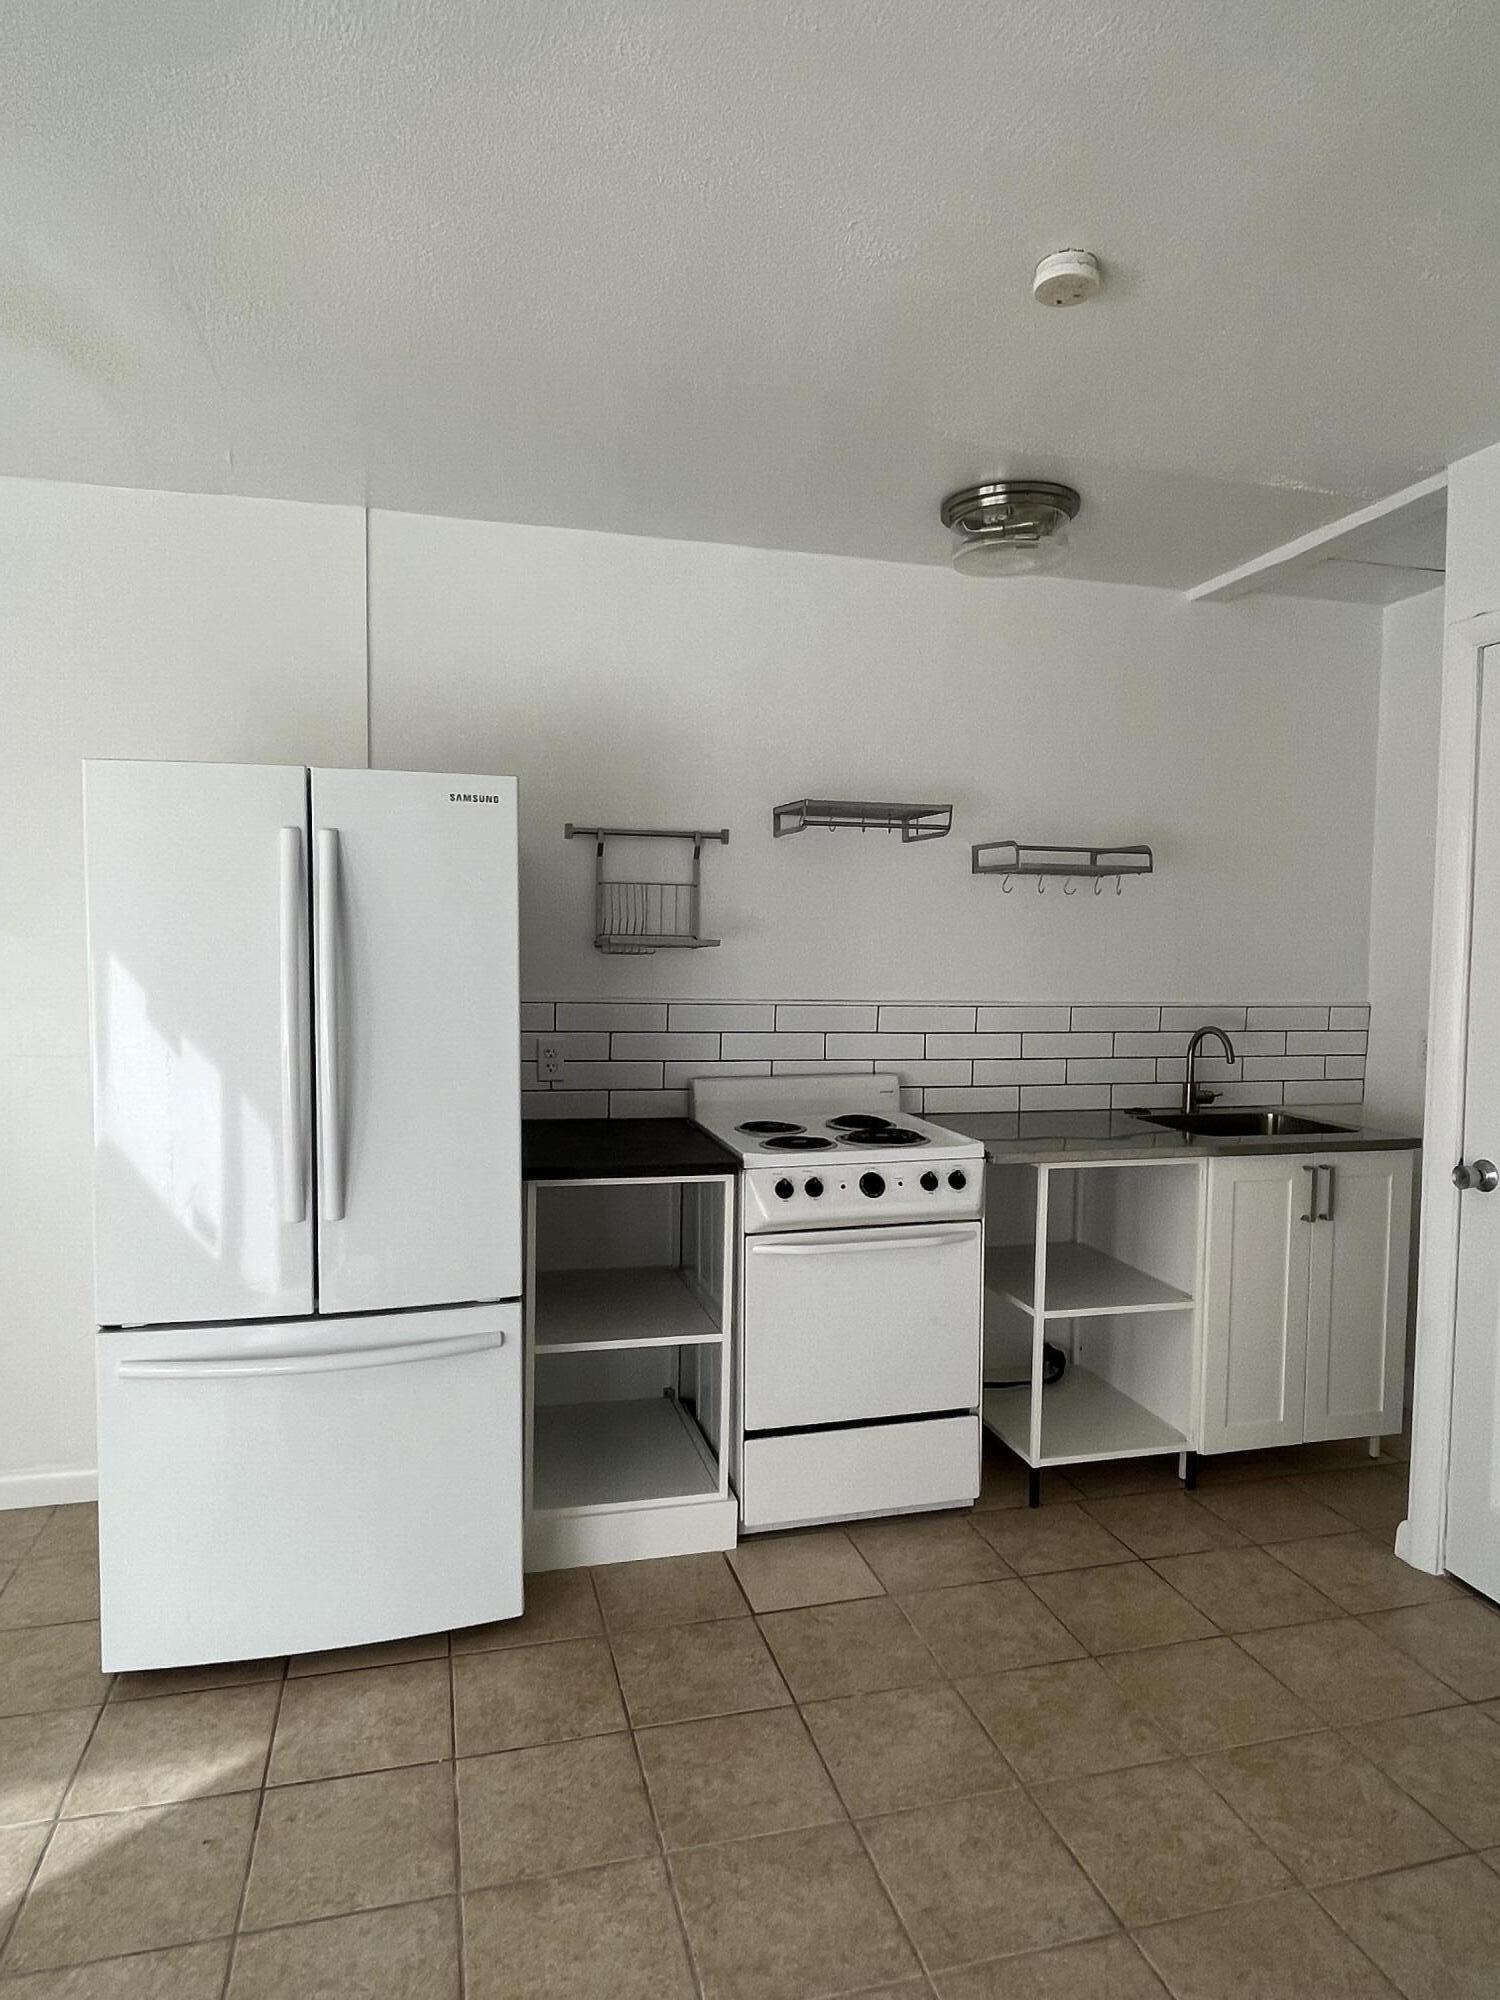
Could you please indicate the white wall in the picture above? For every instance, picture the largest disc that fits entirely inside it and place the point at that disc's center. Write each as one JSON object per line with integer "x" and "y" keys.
{"x": 650, "y": 682}
{"x": 1411, "y": 676}
{"x": 131, "y": 625}
{"x": 1472, "y": 583}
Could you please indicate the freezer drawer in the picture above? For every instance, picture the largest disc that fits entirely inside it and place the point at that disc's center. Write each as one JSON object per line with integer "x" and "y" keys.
{"x": 292, "y": 1486}
{"x": 842, "y": 1325}
{"x": 787, "y": 1482}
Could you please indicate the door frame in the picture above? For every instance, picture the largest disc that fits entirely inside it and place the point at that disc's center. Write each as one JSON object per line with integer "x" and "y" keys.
{"x": 1422, "y": 1538}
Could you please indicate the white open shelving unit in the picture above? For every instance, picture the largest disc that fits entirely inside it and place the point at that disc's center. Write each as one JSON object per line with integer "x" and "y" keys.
{"x": 1113, "y": 1251}
{"x": 628, "y": 1369}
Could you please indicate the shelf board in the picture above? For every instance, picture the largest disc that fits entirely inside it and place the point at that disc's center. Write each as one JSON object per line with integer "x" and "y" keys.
{"x": 1083, "y": 1418}
{"x": 617, "y": 1454}
{"x": 1082, "y": 1282}
{"x": 589, "y": 1312}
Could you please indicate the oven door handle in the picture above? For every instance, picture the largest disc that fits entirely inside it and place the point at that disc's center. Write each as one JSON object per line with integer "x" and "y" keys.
{"x": 835, "y": 1246}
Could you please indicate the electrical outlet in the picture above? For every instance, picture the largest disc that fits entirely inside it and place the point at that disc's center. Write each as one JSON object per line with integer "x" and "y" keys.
{"x": 549, "y": 1060}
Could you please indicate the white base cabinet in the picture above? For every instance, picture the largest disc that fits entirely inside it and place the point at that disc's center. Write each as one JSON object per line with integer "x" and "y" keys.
{"x": 1304, "y": 1298}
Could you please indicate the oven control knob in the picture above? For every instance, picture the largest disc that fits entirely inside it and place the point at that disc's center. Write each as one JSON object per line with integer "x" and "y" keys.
{"x": 872, "y": 1184}
{"x": 930, "y": 1181}
{"x": 812, "y": 1186}
{"x": 785, "y": 1190}
{"x": 957, "y": 1179}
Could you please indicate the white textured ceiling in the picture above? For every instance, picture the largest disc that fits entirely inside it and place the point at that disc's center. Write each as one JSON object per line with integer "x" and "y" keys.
{"x": 756, "y": 272}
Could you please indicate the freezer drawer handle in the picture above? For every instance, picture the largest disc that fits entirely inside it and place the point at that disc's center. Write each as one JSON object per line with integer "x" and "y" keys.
{"x": 837, "y": 1246}
{"x": 336, "y": 1362}
{"x": 330, "y": 1109}
{"x": 293, "y": 1094}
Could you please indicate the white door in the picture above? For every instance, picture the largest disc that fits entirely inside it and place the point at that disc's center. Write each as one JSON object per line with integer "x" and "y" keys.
{"x": 1255, "y": 1298}
{"x": 418, "y": 1046}
{"x": 197, "y": 918}
{"x": 843, "y": 1325}
{"x": 1356, "y": 1328}
{"x": 293, "y": 1487}
{"x": 1473, "y": 1540}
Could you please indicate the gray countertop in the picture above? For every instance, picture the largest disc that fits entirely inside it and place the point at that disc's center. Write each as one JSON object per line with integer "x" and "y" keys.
{"x": 1054, "y": 1138}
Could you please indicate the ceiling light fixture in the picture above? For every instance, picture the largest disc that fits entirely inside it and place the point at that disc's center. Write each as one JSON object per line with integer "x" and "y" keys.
{"x": 1010, "y": 527}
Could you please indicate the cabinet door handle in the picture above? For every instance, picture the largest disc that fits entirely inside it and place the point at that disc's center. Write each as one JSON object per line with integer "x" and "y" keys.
{"x": 1312, "y": 1194}
{"x": 1327, "y": 1212}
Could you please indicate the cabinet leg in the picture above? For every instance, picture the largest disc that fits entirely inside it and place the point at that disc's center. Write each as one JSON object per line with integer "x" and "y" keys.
{"x": 1190, "y": 1472}
{"x": 1033, "y": 1487}
{"x": 1375, "y": 1446}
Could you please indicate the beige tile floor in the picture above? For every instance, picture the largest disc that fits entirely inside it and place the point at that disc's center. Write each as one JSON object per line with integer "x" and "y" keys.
{"x": 1135, "y": 1744}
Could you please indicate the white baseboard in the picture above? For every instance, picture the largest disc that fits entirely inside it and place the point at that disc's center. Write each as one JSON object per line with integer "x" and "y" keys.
{"x": 49, "y": 1487}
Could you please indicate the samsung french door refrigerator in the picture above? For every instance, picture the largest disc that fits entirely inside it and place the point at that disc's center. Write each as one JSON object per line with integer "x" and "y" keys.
{"x": 306, "y": 1206}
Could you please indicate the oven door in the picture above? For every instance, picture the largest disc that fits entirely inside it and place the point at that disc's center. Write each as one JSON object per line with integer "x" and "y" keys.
{"x": 845, "y": 1325}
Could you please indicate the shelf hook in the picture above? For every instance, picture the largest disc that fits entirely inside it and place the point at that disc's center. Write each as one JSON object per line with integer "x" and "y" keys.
{"x": 1007, "y": 883}
{"x": 1070, "y": 887}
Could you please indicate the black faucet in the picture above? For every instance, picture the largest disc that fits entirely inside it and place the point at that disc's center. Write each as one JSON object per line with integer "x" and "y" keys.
{"x": 1192, "y": 1097}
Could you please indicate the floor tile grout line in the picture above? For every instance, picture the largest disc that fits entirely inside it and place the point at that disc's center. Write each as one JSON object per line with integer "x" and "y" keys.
{"x": 8, "y": 1930}
{"x": 260, "y": 1807}
{"x": 1384, "y": 1874}
{"x": 458, "y": 1835}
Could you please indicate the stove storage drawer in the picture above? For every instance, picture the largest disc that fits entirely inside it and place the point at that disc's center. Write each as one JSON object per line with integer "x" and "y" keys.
{"x": 788, "y": 1482}
{"x": 845, "y": 1325}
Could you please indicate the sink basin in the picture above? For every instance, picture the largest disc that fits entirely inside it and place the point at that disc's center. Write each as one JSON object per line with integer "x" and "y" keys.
{"x": 1239, "y": 1124}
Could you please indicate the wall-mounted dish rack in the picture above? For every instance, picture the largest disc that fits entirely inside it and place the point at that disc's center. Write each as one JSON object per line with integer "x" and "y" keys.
{"x": 863, "y": 816}
{"x": 634, "y": 918}
{"x": 1010, "y": 858}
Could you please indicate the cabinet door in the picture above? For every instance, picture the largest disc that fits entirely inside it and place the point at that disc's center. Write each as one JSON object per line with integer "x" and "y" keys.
{"x": 1356, "y": 1339}
{"x": 1255, "y": 1302}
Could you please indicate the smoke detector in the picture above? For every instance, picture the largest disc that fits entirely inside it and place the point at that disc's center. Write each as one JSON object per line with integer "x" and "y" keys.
{"x": 1066, "y": 278}
{"x": 1010, "y": 527}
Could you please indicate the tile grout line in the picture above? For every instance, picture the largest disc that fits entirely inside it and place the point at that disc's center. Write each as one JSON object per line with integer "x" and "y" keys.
{"x": 52, "y": 1824}
{"x": 458, "y": 1836}
{"x": 260, "y": 1807}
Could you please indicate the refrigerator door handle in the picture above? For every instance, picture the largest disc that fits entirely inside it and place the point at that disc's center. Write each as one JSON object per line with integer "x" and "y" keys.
{"x": 335, "y": 1362}
{"x": 293, "y": 1087}
{"x": 330, "y": 1107}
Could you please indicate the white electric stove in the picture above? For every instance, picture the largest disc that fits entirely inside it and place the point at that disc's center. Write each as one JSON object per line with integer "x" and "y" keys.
{"x": 860, "y": 1298}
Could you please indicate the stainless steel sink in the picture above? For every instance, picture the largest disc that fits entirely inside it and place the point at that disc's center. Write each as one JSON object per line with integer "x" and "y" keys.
{"x": 1238, "y": 1124}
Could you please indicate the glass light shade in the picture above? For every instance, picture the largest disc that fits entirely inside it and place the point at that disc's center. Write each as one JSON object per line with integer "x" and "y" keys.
{"x": 1023, "y": 547}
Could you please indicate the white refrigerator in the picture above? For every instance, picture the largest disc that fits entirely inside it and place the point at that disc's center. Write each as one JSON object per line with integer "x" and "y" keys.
{"x": 307, "y": 1206}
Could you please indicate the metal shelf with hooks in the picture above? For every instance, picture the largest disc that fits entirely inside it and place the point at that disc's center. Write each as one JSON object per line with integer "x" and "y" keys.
{"x": 863, "y": 816}
{"x": 634, "y": 918}
{"x": 1010, "y": 858}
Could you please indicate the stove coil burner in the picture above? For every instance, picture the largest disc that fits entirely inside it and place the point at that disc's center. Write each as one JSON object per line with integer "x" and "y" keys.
{"x": 884, "y": 1135}
{"x": 860, "y": 1121}
{"x": 767, "y": 1125}
{"x": 800, "y": 1142}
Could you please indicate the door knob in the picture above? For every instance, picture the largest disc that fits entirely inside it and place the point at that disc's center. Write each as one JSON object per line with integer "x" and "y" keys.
{"x": 1483, "y": 1176}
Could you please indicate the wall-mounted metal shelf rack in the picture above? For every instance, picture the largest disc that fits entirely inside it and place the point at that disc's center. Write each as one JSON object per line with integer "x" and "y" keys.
{"x": 1021, "y": 857}
{"x": 635, "y": 918}
{"x": 863, "y": 816}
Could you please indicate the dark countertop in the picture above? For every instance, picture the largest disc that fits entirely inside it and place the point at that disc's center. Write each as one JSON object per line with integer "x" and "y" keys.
{"x": 586, "y": 1149}
{"x": 1056, "y": 1137}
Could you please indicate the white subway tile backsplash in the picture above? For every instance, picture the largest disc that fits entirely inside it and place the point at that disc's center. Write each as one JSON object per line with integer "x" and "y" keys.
{"x": 1343, "y": 1092}
{"x": 1331, "y": 1042}
{"x": 1142, "y": 1096}
{"x": 613, "y": 1076}
{"x": 879, "y": 1047}
{"x": 1260, "y": 1092}
{"x": 1142, "y": 1018}
{"x": 1065, "y": 1097}
{"x": 574, "y": 1047}
{"x": 1067, "y": 1045}
{"x": 678, "y": 1073}
{"x": 970, "y": 1099}
{"x": 631, "y": 1045}
{"x": 926, "y": 1020}
{"x": 1209, "y": 1014}
{"x": 917, "y": 1071}
{"x": 1207, "y": 1069}
{"x": 1043, "y": 1069}
{"x": 973, "y": 1045}
{"x": 720, "y": 1015}
{"x": 771, "y": 1045}
{"x": 1111, "y": 1069}
{"x": 539, "y": 1016}
{"x": 853, "y": 1017}
{"x": 818, "y": 1066}
{"x": 1172, "y": 1044}
{"x": 564, "y": 1103}
{"x": 648, "y": 1104}
{"x": 612, "y": 1015}
{"x": 1259, "y": 1041}
{"x": 1345, "y": 1067}
{"x": 1349, "y": 1017}
{"x": 1286, "y": 1017}
{"x": 1023, "y": 1020}
{"x": 1283, "y": 1068}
